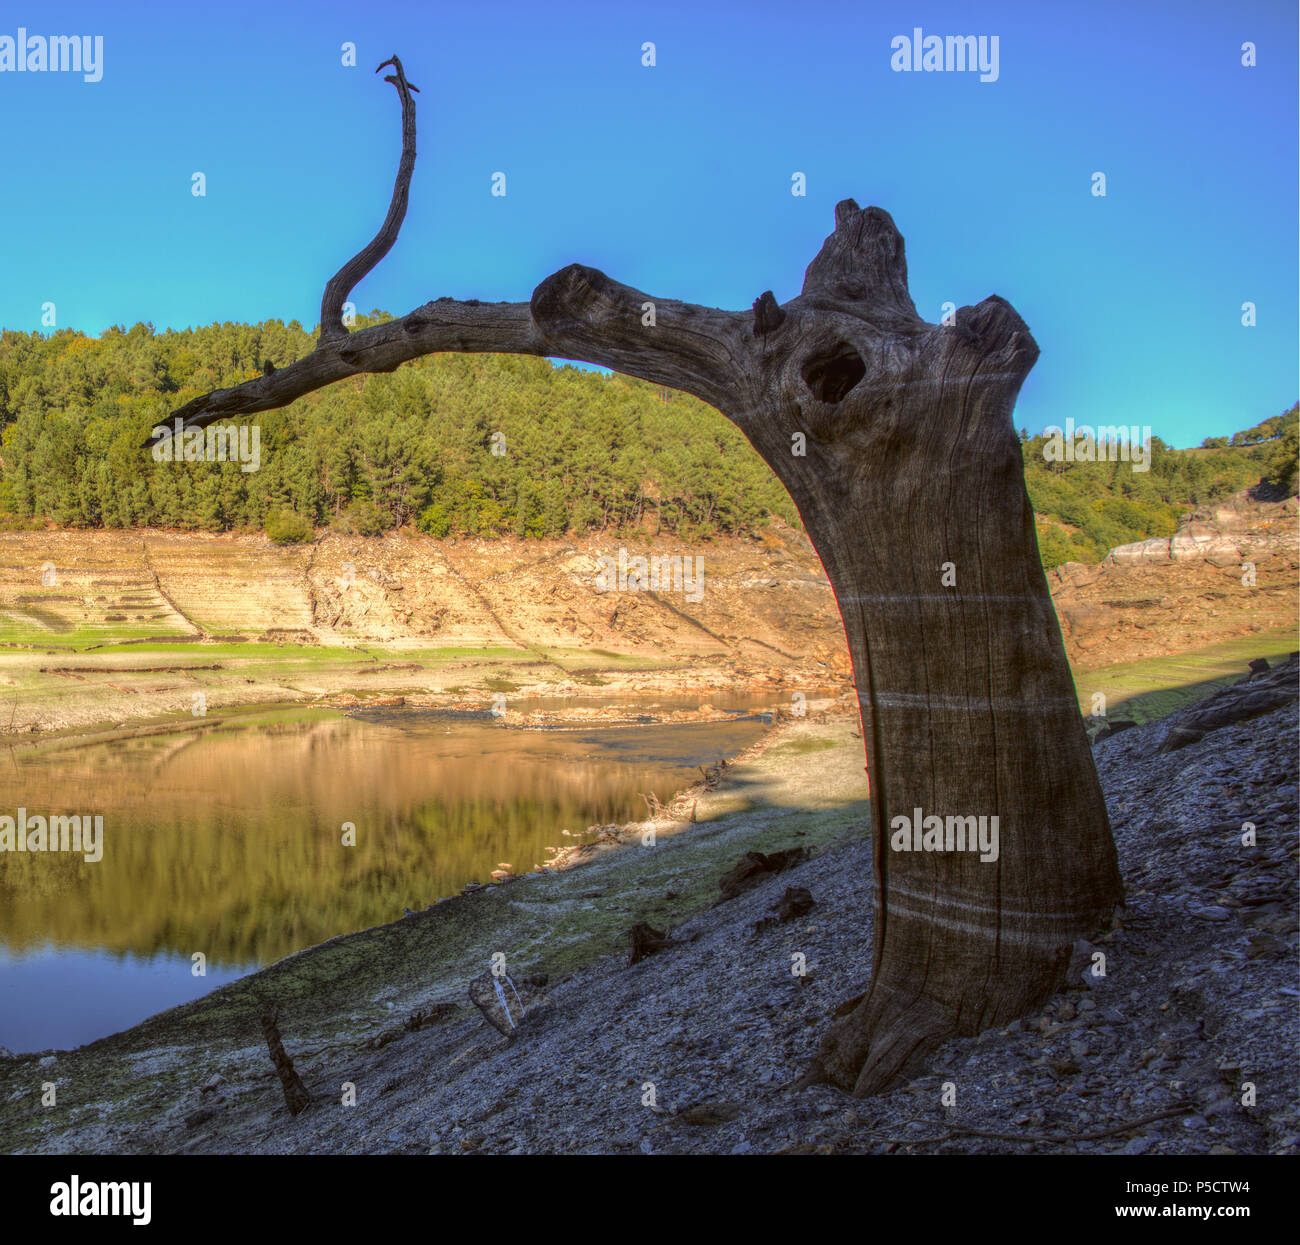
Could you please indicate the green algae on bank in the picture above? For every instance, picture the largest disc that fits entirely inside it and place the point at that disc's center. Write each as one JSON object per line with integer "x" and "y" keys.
{"x": 1157, "y": 686}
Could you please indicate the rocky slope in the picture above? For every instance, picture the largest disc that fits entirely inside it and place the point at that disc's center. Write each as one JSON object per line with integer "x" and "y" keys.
{"x": 764, "y": 603}
{"x": 350, "y": 619}
{"x": 1230, "y": 570}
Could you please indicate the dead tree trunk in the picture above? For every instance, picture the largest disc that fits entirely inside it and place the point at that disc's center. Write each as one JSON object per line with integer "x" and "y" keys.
{"x": 296, "y": 1097}
{"x": 894, "y": 438}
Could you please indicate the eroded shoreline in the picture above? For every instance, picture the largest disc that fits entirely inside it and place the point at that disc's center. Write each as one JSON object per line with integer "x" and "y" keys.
{"x": 346, "y": 990}
{"x": 1148, "y": 1060}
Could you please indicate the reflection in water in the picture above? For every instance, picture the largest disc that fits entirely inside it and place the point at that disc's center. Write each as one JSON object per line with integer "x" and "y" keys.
{"x": 63, "y": 998}
{"x": 228, "y": 842}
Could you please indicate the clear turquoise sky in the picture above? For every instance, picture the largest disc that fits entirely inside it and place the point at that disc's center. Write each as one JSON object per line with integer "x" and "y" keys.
{"x": 676, "y": 179}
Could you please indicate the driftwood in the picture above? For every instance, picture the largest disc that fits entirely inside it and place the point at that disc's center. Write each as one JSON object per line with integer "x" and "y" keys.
{"x": 296, "y": 1097}
{"x": 505, "y": 1001}
{"x": 894, "y": 438}
{"x": 643, "y": 939}
{"x": 796, "y": 902}
{"x": 756, "y": 867}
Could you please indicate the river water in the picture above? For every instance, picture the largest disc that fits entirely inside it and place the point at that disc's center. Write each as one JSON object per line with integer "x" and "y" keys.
{"x": 227, "y": 843}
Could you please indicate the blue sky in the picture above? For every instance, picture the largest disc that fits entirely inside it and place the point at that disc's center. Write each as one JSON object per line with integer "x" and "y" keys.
{"x": 676, "y": 179}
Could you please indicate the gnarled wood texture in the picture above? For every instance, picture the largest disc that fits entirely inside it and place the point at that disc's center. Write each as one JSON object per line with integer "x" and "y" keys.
{"x": 894, "y": 438}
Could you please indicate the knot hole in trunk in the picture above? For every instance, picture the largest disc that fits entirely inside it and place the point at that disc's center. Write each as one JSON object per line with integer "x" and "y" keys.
{"x": 831, "y": 373}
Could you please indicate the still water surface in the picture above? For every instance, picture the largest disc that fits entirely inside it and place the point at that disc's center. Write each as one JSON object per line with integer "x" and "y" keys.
{"x": 227, "y": 842}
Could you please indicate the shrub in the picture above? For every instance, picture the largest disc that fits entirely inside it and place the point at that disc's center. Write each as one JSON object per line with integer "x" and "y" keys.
{"x": 366, "y": 519}
{"x": 433, "y": 521}
{"x": 287, "y": 527}
{"x": 1284, "y": 467}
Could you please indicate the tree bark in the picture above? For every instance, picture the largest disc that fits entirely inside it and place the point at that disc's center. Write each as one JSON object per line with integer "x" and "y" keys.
{"x": 296, "y": 1097}
{"x": 894, "y": 438}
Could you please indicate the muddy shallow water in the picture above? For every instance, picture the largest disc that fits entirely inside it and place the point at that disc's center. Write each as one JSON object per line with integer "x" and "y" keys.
{"x": 227, "y": 848}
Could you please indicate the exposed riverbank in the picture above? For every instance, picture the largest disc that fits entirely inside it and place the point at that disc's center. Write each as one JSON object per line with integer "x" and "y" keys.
{"x": 348, "y": 990}
{"x": 104, "y": 631}
{"x": 231, "y": 840}
{"x": 1199, "y": 999}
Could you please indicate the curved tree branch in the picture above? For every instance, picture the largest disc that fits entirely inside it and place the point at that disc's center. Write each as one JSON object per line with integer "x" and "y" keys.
{"x": 342, "y": 283}
{"x": 576, "y": 313}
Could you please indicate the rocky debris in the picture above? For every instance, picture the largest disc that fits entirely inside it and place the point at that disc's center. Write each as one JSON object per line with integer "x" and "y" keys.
{"x": 1086, "y": 968}
{"x": 434, "y": 1014}
{"x": 1150, "y": 1057}
{"x": 288, "y": 635}
{"x": 1255, "y": 695}
{"x": 755, "y": 867}
{"x": 710, "y": 1114}
{"x": 644, "y": 940}
{"x": 1180, "y": 737}
{"x": 796, "y": 902}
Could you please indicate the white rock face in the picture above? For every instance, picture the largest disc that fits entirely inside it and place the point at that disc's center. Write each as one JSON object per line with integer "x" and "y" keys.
{"x": 1154, "y": 550}
{"x": 1203, "y": 542}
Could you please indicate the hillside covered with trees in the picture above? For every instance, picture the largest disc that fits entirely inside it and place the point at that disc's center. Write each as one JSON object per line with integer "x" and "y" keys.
{"x": 457, "y": 445}
{"x": 478, "y": 445}
{"x": 1086, "y": 508}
